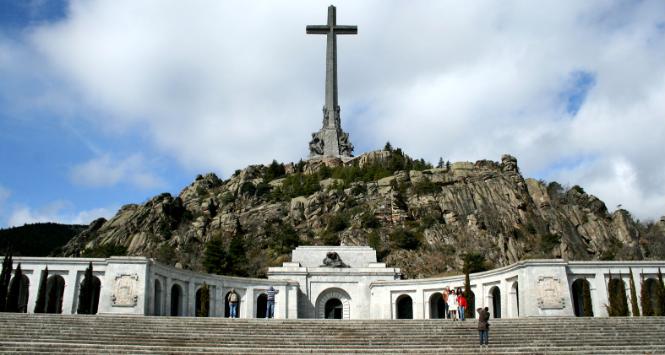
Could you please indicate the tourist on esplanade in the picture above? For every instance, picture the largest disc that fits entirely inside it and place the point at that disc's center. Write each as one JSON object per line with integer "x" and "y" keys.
{"x": 452, "y": 305}
{"x": 233, "y": 303}
{"x": 270, "y": 305}
{"x": 446, "y": 313}
{"x": 483, "y": 325}
{"x": 461, "y": 303}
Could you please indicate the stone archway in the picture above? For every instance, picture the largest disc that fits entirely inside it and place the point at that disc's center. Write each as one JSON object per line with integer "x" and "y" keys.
{"x": 437, "y": 308}
{"x": 495, "y": 296}
{"x": 582, "y": 298}
{"x": 332, "y": 294}
{"x": 404, "y": 307}
{"x": 650, "y": 305}
{"x": 23, "y": 288}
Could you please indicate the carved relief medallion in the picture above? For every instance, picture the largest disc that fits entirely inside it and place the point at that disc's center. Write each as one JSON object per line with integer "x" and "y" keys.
{"x": 124, "y": 290}
{"x": 550, "y": 295}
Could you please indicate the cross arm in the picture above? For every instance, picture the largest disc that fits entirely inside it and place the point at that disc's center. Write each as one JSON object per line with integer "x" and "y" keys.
{"x": 345, "y": 30}
{"x": 317, "y": 29}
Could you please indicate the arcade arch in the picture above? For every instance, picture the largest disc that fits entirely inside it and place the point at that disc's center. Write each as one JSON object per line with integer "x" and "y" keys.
{"x": 331, "y": 303}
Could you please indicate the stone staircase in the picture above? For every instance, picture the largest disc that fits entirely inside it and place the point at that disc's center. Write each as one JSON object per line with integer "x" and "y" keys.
{"x": 78, "y": 334}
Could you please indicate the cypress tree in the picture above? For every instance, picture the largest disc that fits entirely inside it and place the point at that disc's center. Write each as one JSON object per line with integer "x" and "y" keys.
{"x": 204, "y": 301}
{"x": 622, "y": 306}
{"x": 14, "y": 290}
{"x": 85, "y": 295}
{"x": 586, "y": 299}
{"x": 5, "y": 277}
{"x": 633, "y": 295}
{"x": 645, "y": 300}
{"x": 659, "y": 310}
{"x": 40, "y": 305}
{"x": 470, "y": 301}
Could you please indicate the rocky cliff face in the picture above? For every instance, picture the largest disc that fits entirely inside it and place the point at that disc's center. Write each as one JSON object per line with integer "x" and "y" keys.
{"x": 421, "y": 220}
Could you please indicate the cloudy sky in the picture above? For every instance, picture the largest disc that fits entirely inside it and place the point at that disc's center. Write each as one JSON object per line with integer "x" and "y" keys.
{"x": 104, "y": 103}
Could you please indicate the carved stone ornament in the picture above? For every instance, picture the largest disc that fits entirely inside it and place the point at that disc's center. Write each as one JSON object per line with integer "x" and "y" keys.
{"x": 333, "y": 260}
{"x": 550, "y": 295}
{"x": 124, "y": 290}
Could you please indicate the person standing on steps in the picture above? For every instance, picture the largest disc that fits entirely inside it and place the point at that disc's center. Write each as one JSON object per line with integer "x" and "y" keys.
{"x": 461, "y": 304}
{"x": 270, "y": 305}
{"x": 452, "y": 305}
{"x": 233, "y": 303}
{"x": 484, "y": 326}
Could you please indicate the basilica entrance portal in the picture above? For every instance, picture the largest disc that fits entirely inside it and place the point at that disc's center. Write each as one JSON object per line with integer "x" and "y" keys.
{"x": 333, "y": 303}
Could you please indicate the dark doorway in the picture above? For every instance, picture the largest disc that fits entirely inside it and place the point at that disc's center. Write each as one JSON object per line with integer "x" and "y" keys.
{"x": 582, "y": 298}
{"x": 496, "y": 302}
{"x": 92, "y": 301}
{"x": 176, "y": 299}
{"x": 55, "y": 288}
{"x": 404, "y": 307}
{"x": 261, "y": 304}
{"x": 334, "y": 309}
{"x": 437, "y": 308}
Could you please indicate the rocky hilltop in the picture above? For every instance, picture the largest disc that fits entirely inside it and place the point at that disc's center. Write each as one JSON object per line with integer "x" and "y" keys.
{"x": 419, "y": 218}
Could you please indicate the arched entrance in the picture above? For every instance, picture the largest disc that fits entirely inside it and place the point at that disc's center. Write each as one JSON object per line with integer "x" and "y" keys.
{"x": 202, "y": 309}
{"x": 325, "y": 309}
{"x": 21, "y": 300}
{"x": 495, "y": 295}
{"x": 157, "y": 309}
{"x": 404, "y": 307}
{"x": 55, "y": 288}
{"x": 227, "y": 308}
{"x": 334, "y": 309}
{"x": 89, "y": 298}
{"x": 514, "y": 300}
{"x": 650, "y": 306}
{"x": 261, "y": 304}
{"x": 581, "y": 292}
{"x": 437, "y": 309}
{"x": 176, "y": 300}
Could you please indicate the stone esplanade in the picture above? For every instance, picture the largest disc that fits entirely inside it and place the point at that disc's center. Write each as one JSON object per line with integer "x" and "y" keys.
{"x": 329, "y": 282}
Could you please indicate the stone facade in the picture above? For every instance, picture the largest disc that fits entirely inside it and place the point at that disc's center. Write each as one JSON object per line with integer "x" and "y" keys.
{"x": 309, "y": 288}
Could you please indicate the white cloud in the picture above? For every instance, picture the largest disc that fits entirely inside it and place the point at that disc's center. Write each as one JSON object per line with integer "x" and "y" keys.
{"x": 219, "y": 85}
{"x": 103, "y": 171}
{"x": 58, "y": 212}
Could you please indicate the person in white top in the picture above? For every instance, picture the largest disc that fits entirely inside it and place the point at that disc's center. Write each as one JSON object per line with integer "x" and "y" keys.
{"x": 452, "y": 305}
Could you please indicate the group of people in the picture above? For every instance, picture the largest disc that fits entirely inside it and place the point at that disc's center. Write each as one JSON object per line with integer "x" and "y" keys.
{"x": 455, "y": 304}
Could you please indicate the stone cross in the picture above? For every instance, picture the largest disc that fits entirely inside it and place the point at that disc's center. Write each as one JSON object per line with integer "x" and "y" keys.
{"x": 331, "y": 140}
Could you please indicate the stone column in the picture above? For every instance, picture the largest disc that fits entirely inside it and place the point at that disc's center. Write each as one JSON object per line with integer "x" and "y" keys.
{"x": 33, "y": 288}
{"x": 70, "y": 293}
{"x": 599, "y": 296}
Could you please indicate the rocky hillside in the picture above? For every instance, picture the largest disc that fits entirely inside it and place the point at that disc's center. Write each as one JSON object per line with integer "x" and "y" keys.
{"x": 419, "y": 218}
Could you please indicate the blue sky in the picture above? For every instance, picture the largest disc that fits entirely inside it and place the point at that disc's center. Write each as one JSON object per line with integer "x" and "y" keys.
{"x": 104, "y": 103}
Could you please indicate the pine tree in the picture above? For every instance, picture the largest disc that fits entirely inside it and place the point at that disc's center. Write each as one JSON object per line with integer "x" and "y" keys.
{"x": 440, "y": 164}
{"x": 214, "y": 257}
{"x": 388, "y": 147}
{"x": 237, "y": 257}
{"x": 633, "y": 295}
{"x": 645, "y": 300}
{"x": 15, "y": 290}
{"x": 40, "y": 305}
{"x": 86, "y": 294}
{"x": 586, "y": 299}
{"x": 5, "y": 277}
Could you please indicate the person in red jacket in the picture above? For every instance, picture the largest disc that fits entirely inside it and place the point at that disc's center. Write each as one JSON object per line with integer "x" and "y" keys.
{"x": 461, "y": 303}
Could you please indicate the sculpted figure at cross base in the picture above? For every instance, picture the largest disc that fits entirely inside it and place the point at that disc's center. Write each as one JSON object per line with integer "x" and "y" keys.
{"x": 332, "y": 259}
